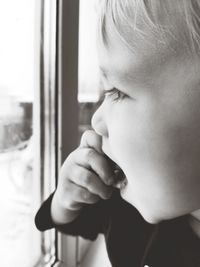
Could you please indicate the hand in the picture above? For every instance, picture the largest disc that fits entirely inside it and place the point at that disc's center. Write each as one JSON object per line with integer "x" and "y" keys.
{"x": 86, "y": 177}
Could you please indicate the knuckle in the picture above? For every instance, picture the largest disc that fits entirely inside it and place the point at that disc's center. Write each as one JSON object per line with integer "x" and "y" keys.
{"x": 68, "y": 202}
{"x": 103, "y": 168}
{"x": 71, "y": 157}
{"x": 74, "y": 206}
{"x": 107, "y": 193}
{"x": 63, "y": 179}
{"x": 69, "y": 205}
{"x": 90, "y": 139}
{"x": 72, "y": 200}
{"x": 85, "y": 135}
{"x": 90, "y": 154}
{"x": 85, "y": 195}
{"x": 88, "y": 179}
{"x": 94, "y": 199}
{"x": 67, "y": 163}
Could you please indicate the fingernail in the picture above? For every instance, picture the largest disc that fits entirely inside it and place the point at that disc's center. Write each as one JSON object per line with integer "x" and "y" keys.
{"x": 123, "y": 184}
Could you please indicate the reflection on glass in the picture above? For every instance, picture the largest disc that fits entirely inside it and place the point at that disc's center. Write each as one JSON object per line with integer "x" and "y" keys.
{"x": 88, "y": 59}
{"x": 88, "y": 93}
{"x": 17, "y": 234}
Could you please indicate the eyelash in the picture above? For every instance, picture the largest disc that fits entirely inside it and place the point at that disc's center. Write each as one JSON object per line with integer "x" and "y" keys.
{"x": 114, "y": 92}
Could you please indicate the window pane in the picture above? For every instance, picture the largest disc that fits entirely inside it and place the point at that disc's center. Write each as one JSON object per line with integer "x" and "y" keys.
{"x": 88, "y": 90}
{"x": 88, "y": 96}
{"x": 19, "y": 192}
{"x": 88, "y": 60}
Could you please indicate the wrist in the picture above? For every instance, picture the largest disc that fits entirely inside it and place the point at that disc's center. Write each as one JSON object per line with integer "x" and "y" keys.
{"x": 61, "y": 215}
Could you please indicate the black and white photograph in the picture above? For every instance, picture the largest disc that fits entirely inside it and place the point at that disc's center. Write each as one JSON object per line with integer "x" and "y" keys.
{"x": 100, "y": 133}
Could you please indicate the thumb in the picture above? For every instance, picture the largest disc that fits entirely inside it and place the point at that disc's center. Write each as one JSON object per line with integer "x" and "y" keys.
{"x": 92, "y": 140}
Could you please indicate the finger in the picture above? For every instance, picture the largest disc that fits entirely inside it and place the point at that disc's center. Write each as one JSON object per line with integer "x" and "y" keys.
{"x": 89, "y": 180}
{"x": 91, "y": 139}
{"x": 92, "y": 160}
{"x": 79, "y": 196}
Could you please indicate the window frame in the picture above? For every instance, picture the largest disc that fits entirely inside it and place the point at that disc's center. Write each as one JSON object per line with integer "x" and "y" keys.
{"x": 57, "y": 96}
{"x": 67, "y": 109}
{"x": 44, "y": 116}
{"x": 72, "y": 251}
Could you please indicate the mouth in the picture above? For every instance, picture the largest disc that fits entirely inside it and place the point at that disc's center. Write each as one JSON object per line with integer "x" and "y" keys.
{"x": 120, "y": 177}
{"x": 121, "y": 180}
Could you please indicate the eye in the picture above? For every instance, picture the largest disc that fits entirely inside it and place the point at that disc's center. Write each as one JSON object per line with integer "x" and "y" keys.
{"x": 115, "y": 93}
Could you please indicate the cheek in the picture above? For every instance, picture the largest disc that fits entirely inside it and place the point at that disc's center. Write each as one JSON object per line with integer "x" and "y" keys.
{"x": 159, "y": 151}
{"x": 164, "y": 137}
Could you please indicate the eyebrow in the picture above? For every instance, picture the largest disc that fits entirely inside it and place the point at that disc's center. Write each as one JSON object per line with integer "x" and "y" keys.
{"x": 122, "y": 76}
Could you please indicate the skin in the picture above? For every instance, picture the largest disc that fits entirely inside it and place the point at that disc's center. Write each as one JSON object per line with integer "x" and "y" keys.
{"x": 152, "y": 131}
{"x": 85, "y": 177}
{"x": 150, "y": 128}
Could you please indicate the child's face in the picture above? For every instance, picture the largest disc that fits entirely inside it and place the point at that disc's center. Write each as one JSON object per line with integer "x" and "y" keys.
{"x": 152, "y": 128}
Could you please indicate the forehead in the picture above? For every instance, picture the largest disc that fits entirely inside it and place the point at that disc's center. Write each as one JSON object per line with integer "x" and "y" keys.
{"x": 122, "y": 51}
{"x": 117, "y": 61}
{"x": 144, "y": 67}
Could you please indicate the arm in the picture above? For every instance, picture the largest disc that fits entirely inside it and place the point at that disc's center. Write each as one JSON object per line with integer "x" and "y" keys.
{"x": 89, "y": 222}
{"x": 84, "y": 183}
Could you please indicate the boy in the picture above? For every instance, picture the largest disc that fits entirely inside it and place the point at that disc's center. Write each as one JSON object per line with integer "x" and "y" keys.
{"x": 149, "y": 125}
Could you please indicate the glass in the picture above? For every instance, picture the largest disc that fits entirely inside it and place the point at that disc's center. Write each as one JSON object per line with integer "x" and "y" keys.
{"x": 88, "y": 58}
{"x": 88, "y": 89}
{"x": 88, "y": 98}
{"x": 19, "y": 240}
{"x": 88, "y": 80}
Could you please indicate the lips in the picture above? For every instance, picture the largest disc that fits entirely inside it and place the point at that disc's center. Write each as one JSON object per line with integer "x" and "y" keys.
{"x": 120, "y": 178}
{"x": 119, "y": 174}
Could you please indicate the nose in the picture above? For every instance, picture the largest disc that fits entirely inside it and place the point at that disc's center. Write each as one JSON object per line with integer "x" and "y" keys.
{"x": 98, "y": 122}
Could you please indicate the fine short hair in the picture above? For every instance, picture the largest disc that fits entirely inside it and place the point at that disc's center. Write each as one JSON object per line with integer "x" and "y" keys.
{"x": 154, "y": 23}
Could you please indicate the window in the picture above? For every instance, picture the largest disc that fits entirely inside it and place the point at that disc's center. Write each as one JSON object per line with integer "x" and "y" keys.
{"x": 67, "y": 108}
{"x": 89, "y": 253}
{"x": 88, "y": 81}
{"x": 19, "y": 190}
{"x": 27, "y": 122}
{"x": 88, "y": 58}
{"x": 78, "y": 84}
{"x": 47, "y": 98}
{"x": 88, "y": 75}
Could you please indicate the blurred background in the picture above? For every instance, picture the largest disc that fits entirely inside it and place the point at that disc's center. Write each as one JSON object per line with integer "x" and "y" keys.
{"x": 21, "y": 184}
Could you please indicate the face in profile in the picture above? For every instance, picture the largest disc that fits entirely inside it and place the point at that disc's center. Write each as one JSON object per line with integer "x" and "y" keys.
{"x": 150, "y": 126}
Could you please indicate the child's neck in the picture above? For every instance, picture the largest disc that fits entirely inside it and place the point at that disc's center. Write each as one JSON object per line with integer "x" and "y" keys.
{"x": 194, "y": 221}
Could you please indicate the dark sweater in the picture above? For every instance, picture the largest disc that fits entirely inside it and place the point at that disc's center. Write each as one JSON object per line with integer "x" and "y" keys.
{"x": 130, "y": 240}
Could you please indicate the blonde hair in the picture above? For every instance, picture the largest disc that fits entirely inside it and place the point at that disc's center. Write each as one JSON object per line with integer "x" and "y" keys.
{"x": 153, "y": 22}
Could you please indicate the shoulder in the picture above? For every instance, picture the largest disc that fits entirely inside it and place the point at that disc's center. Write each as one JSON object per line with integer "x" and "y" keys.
{"x": 175, "y": 244}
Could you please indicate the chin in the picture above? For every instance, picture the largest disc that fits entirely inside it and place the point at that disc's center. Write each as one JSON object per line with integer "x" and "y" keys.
{"x": 150, "y": 218}
{"x": 155, "y": 216}
{"x": 146, "y": 212}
